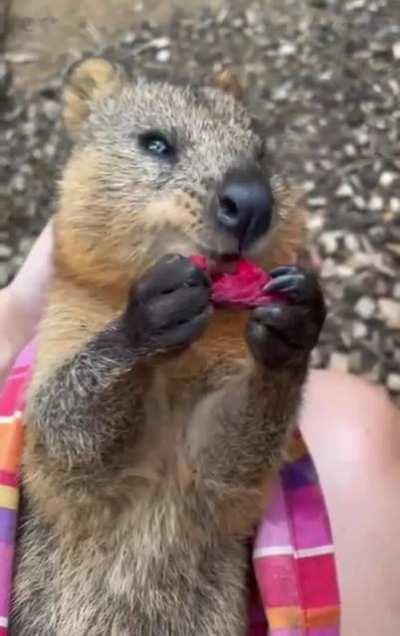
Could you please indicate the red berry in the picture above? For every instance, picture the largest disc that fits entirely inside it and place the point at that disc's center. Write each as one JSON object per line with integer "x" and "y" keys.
{"x": 242, "y": 290}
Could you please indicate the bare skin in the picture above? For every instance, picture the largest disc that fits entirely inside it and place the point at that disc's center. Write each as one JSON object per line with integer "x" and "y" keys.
{"x": 360, "y": 472}
{"x": 21, "y": 302}
{"x": 353, "y": 432}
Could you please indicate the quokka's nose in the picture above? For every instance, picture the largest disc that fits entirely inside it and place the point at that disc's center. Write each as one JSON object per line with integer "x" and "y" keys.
{"x": 244, "y": 204}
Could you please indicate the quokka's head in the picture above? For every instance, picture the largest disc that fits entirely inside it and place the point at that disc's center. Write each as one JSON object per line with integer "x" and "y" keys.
{"x": 160, "y": 167}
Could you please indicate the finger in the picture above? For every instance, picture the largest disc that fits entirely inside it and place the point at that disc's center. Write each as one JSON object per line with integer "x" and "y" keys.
{"x": 289, "y": 283}
{"x": 31, "y": 282}
{"x": 185, "y": 271}
{"x": 300, "y": 287}
{"x": 29, "y": 288}
{"x": 267, "y": 346}
{"x": 185, "y": 333}
{"x": 281, "y": 316}
{"x": 178, "y": 307}
{"x": 168, "y": 275}
{"x": 294, "y": 324}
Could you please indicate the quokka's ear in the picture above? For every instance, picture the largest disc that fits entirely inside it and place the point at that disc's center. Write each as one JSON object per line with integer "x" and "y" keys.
{"x": 87, "y": 82}
{"x": 228, "y": 82}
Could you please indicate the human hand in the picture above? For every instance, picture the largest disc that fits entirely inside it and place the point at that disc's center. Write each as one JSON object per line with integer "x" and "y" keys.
{"x": 21, "y": 302}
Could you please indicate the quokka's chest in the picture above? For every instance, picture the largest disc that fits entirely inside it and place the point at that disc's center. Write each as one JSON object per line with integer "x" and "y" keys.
{"x": 139, "y": 586}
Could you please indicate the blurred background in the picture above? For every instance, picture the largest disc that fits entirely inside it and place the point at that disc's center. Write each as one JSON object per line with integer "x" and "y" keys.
{"x": 324, "y": 75}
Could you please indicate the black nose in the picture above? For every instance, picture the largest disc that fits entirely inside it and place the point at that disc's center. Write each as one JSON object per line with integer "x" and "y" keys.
{"x": 244, "y": 205}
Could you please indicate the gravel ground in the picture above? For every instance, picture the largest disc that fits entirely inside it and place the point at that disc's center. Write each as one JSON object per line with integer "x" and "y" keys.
{"x": 325, "y": 77}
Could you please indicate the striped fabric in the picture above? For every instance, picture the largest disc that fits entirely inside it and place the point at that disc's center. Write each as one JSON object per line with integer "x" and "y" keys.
{"x": 11, "y": 440}
{"x": 293, "y": 555}
{"x": 293, "y": 584}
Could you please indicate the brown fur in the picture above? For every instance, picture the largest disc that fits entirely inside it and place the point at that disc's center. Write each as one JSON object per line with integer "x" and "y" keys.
{"x": 227, "y": 81}
{"x": 136, "y": 509}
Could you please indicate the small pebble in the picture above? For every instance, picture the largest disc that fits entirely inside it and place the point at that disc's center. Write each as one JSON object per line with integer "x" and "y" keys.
{"x": 51, "y": 109}
{"x": 329, "y": 243}
{"x": 309, "y": 186}
{"x": 128, "y": 38}
{"x": 287, "y": 49}
{"x": 317, "y": 202}
{"x": 359, "y": 330}
{"x": 162, "y": 42}
{"x": 356, "y": 362}
{"x": 376, "y": 203}
{"x": 359, "y": 202}
{"x": 4, "y": 275}
{"x": 394, "y": 205}
{"x": 393, "y": 248}
{"x": 390, "y": 312}
{"x": 344, "y": 191}
{"x": 344, "y": 271}
{"x": 5, "y": 252}
{"x": 317, "y": 358}
{"x": 365, "y": 307}
{"x": 362, "y": 137}
{"x": 315, "y": 223}
{"x": 386, "y": 179}
{"x": 396, "y": 50}
{"x": 396, "y": 291}
{"x": 328, "y": 268}
{"x": 354, "y": 5}
{"x": 18, "y": 183}
{"x": 4, "y": 77}
{"x": 25, "y": 245}
{"x": 163, "y": 56}
{"x": 350, "y": 150}
{"x": 339, "y": 362}
{"x": 393, "y": 382}
{"x": 281, "y": 94}
{"x": 351, "y": 242}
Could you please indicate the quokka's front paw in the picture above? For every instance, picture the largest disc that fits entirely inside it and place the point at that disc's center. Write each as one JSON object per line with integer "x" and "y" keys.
{"x": 170, "y": 306}
{"x": 284, "y": 333}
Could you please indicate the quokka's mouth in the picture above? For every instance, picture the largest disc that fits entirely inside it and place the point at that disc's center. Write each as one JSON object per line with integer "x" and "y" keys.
{"x": 226, "y": 264}
{"x": 221, "y": 263}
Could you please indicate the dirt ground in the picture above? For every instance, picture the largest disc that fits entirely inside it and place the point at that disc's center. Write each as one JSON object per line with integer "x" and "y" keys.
{"x": 42, "y": 35}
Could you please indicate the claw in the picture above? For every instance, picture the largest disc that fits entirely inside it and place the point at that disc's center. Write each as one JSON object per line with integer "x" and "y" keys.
{"x": 286, "y": 283}
{"x": 282, "y": 270}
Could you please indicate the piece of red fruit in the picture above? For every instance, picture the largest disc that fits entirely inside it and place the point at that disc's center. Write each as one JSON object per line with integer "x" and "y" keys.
{"x": 243, "y": 289}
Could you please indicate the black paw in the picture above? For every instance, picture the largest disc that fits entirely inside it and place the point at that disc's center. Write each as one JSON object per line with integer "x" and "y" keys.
{"x": 285, "y": 333}
{"x": 170, "y": 307}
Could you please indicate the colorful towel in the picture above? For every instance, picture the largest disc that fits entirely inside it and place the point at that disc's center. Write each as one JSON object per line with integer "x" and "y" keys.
{"x": 11, "y": 441}
{"x": 293, "y": 555}
{"x": 294, "y": 588}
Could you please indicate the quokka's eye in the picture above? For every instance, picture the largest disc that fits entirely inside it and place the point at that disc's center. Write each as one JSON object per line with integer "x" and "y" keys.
{"x": 157, "y": 144}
